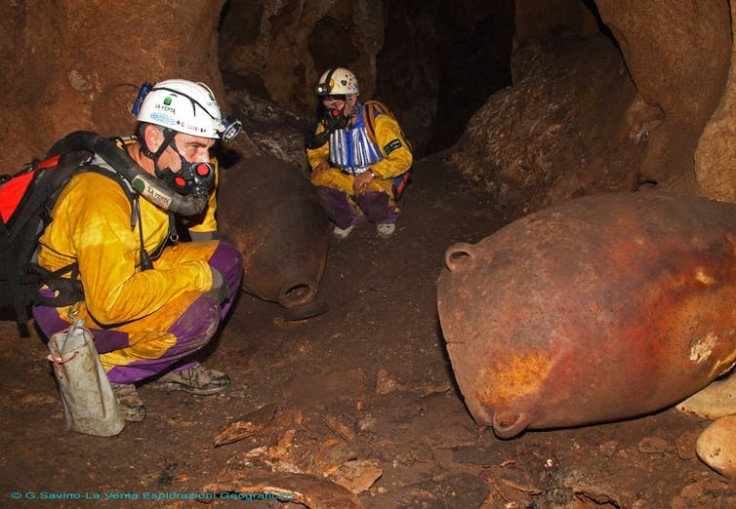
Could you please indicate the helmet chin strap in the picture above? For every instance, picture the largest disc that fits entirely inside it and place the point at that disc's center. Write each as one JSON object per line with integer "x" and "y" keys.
{"x": 146, "y": 263}
{"x": 164, "y": 174}
{"x": 169, "y": 135}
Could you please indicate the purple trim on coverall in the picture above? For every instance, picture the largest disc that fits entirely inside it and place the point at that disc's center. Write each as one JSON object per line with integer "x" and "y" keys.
{"x": 49, "y": 321}
{"x": 190, "y": 338}
{"x": 191, "y": 335}
{"x": 229, "y": 262}
{"x": 338, "y": 208}
{"x": 377, "y": 207}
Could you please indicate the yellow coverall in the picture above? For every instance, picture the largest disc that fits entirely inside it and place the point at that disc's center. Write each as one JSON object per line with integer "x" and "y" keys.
{"x": 388, "y": 158}
{"x": 143, "y": 321}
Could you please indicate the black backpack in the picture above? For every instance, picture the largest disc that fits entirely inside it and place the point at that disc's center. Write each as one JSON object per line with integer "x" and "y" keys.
{"x": 26, "y": 201}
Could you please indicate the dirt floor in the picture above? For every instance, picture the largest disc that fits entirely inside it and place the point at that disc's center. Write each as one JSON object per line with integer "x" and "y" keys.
{"x": 363, "y": 396}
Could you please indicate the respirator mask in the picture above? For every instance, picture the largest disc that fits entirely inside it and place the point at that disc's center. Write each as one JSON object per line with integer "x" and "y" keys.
{"x": 335, "y": 118}
{"x": 193, "y": 179}
{"x": 332, "y": 119}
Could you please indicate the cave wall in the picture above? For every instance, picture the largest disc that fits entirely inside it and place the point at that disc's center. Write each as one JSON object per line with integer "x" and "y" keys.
{"x": 567, "y": 97}
{"x": 437, "y": 52}
{"x": 645, "y": 123}
{"x": 536, "y": 20}
{"x": 679, "y": 56}
{"x": 440, "y": 62}
{"x": 715, "y": 155}
{"x": 285, "y": 46}
{"x": 73, "y": 65}
{"x": 564, "y": 129}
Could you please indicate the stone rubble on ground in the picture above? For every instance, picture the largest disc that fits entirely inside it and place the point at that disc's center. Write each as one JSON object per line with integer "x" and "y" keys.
{"x": 717, "y": 400}
{"x": 716, "y": 446}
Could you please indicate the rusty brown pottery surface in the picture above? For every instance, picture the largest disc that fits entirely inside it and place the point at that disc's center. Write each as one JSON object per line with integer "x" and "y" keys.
{"x": 599, "y": 309}
{"x": 268, "y": 210}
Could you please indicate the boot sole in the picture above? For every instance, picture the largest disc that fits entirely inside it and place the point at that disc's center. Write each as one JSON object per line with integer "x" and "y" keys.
{"x": 174, "y": 386}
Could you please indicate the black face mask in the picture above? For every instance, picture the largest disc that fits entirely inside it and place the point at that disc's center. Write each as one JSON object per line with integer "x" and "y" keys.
{"x": 334, "y": 119}
{"x": 194, "y": 179}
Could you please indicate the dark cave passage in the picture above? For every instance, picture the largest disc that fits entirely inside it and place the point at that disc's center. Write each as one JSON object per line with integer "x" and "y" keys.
{"x": 435, "y": 62}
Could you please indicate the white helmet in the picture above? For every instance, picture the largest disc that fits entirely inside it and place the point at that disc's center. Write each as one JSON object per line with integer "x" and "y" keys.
{"x": 186, "y": 107}
{"x": 338, "y": 81}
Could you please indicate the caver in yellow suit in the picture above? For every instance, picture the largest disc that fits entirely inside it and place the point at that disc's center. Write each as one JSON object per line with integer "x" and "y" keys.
{"x": 350, "y": 152}
{"x": 145, "y": 320}
{"x": 349, "y": 144}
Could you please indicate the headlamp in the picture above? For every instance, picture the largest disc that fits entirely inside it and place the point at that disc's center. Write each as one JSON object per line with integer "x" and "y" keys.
{"x": 325, "y": 87}
{"x": 142, "y": 93}
{"x": 322, "y": 89}
{"x": 229, "y": 128}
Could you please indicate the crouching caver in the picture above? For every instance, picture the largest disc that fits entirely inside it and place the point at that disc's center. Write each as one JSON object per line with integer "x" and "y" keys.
{"x": 150, "y": 305}
{"x": 357, "y": 159}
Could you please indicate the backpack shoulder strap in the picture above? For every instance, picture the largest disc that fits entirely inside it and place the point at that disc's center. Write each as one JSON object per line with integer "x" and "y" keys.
{"x": 373, "y": 109}
{"x": 124, "y": 184}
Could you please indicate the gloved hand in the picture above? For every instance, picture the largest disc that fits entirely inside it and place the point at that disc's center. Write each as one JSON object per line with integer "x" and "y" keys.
{"x": 219, "y": 290}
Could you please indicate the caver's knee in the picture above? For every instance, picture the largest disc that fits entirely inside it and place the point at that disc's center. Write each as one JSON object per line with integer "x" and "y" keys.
{"x": 378, "y": 206}
{"x": 228, "y": 260}
{"x": 199, "y": 323}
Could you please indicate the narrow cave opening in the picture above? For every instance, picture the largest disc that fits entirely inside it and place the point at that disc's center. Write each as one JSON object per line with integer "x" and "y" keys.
{"x": 441, "y": 61}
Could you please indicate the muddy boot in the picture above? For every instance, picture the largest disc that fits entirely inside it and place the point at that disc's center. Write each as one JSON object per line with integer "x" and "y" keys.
{"x": 131, "y": 405}
{"x": 195, "y": 380}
